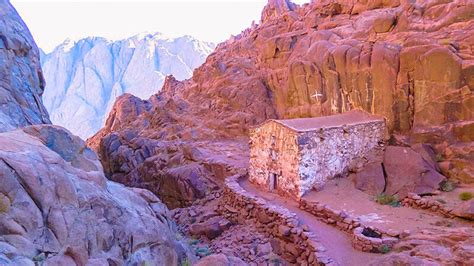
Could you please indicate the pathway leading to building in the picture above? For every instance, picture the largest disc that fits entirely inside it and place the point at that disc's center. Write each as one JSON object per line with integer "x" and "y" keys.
{"x": 337, "y": 243}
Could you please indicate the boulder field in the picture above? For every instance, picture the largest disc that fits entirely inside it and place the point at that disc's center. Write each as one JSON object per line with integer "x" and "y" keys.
{"x": 56, "y": 205}
{"x": 409, "y": 61}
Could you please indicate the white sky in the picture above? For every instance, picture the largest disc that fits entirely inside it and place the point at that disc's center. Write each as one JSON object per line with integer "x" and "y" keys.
{"x": 53, "y": 21}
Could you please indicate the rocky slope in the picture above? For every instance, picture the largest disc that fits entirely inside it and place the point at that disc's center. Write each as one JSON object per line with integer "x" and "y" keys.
{"x": 56, "y": 206}
{"x": 84, "y": 77}
{"x": 410, "y": 61}
{"x": 21, "y": 78}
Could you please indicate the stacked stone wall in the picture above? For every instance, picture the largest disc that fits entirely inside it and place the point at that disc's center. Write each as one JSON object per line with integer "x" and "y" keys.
{"x": 289, "y": 239}
{"x": 417, "y": 202}
{"x": 345, "y": 222}
{"x": 332, "y": 152}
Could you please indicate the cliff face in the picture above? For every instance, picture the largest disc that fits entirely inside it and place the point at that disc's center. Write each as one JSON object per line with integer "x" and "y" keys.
{"x": 84, "y": 78}
{"x": 21, "y": 78}
{"x": 410, "y": 61}
{"x": 56, "y": 206}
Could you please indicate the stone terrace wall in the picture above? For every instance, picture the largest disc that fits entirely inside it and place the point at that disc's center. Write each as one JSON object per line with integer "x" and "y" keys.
{"x": 279, "y": 156}
{"x": 334, "y": 151}
{"x": 417, "y": 202}
{"x": 354, "y": 227}
{"x": 290, "y": 240}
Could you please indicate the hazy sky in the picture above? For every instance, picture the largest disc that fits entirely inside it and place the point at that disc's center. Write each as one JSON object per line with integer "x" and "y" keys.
{"x": 53, "y": 21}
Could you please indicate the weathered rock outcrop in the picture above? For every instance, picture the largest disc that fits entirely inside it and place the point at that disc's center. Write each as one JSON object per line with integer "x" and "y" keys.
{"x": 409, "y": 61}
{"x": 433, "y": 247}
{"x": 21, "y": 78}
{"x": 56, "y": 206}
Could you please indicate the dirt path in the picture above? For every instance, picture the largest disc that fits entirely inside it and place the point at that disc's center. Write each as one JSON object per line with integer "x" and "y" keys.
{"x": 337, "y": 243}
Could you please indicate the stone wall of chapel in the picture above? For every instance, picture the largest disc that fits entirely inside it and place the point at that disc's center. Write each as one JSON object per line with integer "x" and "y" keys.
{"x": 332, "y": 152}
{"x": 274, "y": 150}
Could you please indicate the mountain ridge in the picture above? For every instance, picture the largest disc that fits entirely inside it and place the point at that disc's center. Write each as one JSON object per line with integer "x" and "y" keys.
{"x": 84, "y": 77}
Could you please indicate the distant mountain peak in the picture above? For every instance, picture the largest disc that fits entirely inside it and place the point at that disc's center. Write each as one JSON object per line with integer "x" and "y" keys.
{"x": 84, "y": 77}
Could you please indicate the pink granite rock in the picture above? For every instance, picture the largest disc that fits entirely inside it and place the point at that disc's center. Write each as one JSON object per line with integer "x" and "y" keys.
{"x": 21, "y": 78}
{"x": 465, "y": 210}
{"x": 56, "y": 206}
{"x": 55, "y": 203}
{"x": 407, "y": 172}
{"x": 370, "y": 179}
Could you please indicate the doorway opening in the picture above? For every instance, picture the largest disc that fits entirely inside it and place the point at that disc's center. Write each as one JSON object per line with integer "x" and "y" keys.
{"x": 272, "y": 182}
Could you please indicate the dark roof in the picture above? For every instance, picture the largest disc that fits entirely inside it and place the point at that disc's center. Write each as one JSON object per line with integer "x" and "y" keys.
{"x": 315, "y": 123}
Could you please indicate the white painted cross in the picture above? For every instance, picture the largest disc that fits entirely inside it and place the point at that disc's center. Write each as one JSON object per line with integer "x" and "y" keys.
{"x": 317, "y": 95}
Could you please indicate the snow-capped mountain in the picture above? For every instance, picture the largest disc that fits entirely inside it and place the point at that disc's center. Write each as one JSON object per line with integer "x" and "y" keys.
{"x": 84, "y": 77}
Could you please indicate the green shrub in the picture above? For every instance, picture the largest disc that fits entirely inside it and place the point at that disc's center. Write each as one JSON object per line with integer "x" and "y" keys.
{"x": 465, "y": 196}
{"x": 4, "y": 203}
{"x": 193, "y": 242}
{"x": 186, "y": 262}
{"x": 276, "y": 261}
{"x": 384, "y": 249}
{"x": 447, "y": 185}
{"x": 40, "y": 257}
{"x": 387, "y": 200}
{"x": 203, "y": 251}
{"x": 4, "y": 207}
{"x": 439, "y": 157}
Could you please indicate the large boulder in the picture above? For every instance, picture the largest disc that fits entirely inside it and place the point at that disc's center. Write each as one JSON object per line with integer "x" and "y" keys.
{"x": 57, "y": 207}
{"x": 407, "y": 172}
{"x": 210, "y": 228}
{"x": 370, "y": 179}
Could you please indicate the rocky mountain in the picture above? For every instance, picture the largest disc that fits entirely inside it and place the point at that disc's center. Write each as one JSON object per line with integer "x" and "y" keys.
{"x": 21, "y": 78}
{"x": 84, "y": 77}
{"x": 409, "y": 61}
{"x": 56, "y": 206}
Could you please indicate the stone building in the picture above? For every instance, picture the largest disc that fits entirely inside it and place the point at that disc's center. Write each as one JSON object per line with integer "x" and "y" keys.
{"x": 294, "y": 156}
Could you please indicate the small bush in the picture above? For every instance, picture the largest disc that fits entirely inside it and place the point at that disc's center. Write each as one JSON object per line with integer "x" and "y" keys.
{"x": 276, "y": 261}
{"x": 4, "y": 207}
{"x": 193, "y": 242}
{"x": 387, "y": 200}
{"x": 384, "y": 249}
{"x": 203, "y": 251}
{"x": 439, "y": 157}
{"x": 186, "y": 262}
{"x": 40, "y": 257}
{"x": 465, "y": 196}
{"x": 4, "y": 203}
{"x": 447, "y": 185}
